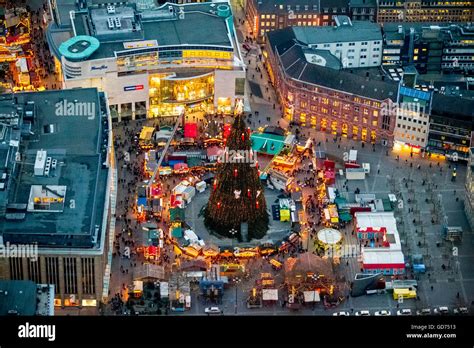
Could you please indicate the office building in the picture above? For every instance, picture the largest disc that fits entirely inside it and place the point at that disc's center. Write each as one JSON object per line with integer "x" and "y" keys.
{"x": 57, "y": 192}
{"x": 152, "y": 61}
{"x": 429, "y": 48}
{"x": 412, "y": 125}
{"x": 264, "y": 16}
{"x": 363, "y": 10}
{"x": 424, "y": 11}
{"x": 451, "y": 132}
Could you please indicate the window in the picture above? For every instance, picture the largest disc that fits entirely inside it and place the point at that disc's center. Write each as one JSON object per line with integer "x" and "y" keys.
{"x": 281, "y": 7}
{"x": 364, "y": 50}
{"x": 297, "y": 7}
{"x": 306, "y": 7}
{"x": 327, "y": 45}
{"x": 351, "y": 43}
{"x": 338, "y": 44}
{"x": 364, "y": 43}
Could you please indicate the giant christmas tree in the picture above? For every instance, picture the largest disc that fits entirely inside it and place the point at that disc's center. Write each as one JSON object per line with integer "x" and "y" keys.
{"x": 237, "y": 194}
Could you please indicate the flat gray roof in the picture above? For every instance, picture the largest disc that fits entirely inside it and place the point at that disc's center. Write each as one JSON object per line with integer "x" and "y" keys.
{"x": 200, "y": 26}
{"x": 358, "y": 31}
{"x": 76, "y": 144}
{"x": 19, "y": 296}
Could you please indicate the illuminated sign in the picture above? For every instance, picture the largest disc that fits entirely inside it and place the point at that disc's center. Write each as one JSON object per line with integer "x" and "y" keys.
{"x": 140, "y": 44}
{"x": 133, "y": 88}
{"x": 98, "y": 67}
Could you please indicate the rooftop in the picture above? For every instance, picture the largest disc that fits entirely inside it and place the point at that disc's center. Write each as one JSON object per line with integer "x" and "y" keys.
{"x": 368, "y": 83}
{"x": 459, "y": 108}
{"x": 168, "y": 25}
{"x": 17, "y": 297}
{"x": 73, "y": 188}
{"x": 345, "y": 31}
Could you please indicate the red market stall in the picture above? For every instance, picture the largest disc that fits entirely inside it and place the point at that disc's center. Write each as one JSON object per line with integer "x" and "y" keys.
{"x": 191, "y": 130}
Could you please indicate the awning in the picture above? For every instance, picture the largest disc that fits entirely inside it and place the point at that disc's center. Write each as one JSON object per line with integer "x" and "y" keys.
{"x": 270, "y": 294}
{"x": 311, "y": 296}
{"x": 180, "y": 166}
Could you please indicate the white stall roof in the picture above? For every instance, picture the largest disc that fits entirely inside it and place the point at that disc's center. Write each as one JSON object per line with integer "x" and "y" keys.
{"x": 270, "y": 294}
{"x": 353, "y": 155}
{"x": 311, "y": 296}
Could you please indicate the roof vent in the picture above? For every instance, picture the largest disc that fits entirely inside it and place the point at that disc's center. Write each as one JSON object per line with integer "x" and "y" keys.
{"x": 110, "y": 23}
{"x": 223, "y": 10}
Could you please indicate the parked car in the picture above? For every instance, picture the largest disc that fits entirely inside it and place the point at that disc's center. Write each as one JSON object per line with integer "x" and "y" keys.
{"x": 441, "y": 310}
{"x": 341, "y": 314}
{"x": 461, "y": 311}
{"x": 424, "y": 311}
{"x": 362, "y": 313}
{"x": 405, "y": 311}
{"x": 212, "y": 310}
{"x": 382, "y": 313}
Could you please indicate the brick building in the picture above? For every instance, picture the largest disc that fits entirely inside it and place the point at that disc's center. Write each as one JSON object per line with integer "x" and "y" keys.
{"x": 317, "y": 93}
{"x": 268, "y": 15}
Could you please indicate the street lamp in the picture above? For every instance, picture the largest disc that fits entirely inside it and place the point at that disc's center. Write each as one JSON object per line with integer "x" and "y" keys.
{"x": 233, "y": 232}
{"x": 237, "y": 281}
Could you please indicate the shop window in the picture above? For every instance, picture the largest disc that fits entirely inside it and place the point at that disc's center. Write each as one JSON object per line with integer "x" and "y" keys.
{"x": 140, "y": 108}
{"x": 126, "y": 109}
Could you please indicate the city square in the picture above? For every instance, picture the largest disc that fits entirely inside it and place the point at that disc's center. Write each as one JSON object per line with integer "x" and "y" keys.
{"x": 237, "y": 158}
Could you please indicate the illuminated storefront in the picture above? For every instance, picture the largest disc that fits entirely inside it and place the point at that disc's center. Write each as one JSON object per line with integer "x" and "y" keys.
{"x": 170, "y": 96}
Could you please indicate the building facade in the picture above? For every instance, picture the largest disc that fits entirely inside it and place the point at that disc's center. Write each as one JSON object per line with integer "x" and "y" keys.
{"x": 316, "y": 93}
{"x": 152, "y": 62}
{"x": 469, "y": 198}
{"x": 429, "y": 48}
{"x": 64, "y": 205}
{"x": 451, "y": 132}
{"x": 265, "y": 16}
{"x": 412, "y": 125}
{"x": 424, "y": 11}
{"x": 363, "y": 10}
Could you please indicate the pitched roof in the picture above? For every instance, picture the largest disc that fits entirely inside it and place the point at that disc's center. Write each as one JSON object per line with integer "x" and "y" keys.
{"x": 293, "y": 61}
